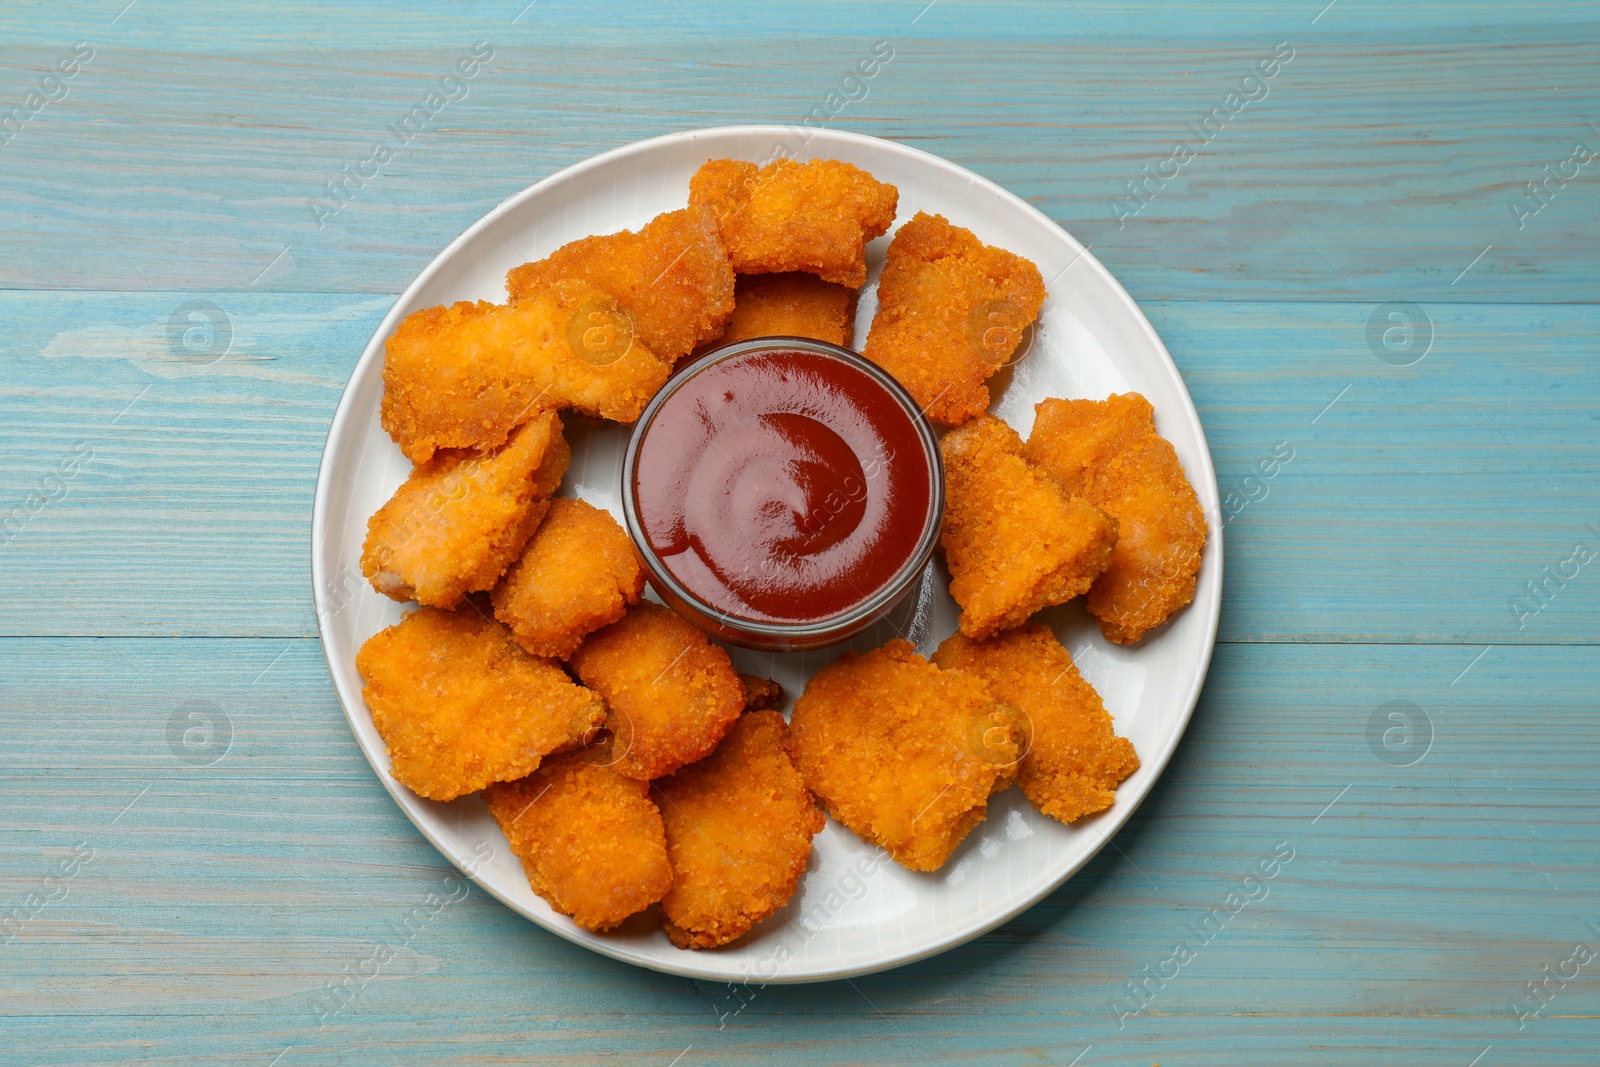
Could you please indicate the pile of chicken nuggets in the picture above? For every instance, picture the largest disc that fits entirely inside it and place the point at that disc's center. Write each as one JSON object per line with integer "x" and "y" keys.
{"x": 631, "y": 768}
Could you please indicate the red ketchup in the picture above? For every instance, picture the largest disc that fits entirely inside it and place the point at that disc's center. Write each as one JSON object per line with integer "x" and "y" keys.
{"x": 784, "y": 484}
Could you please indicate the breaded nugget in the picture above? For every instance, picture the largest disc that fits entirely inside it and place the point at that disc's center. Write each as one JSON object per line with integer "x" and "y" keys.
{"x": 590, "y": 840}
{"x": 670, "y": 693}
{"x": 951, "y": 311}
{"x": 739, "y": 829}
{"x": 793, "y": 304}
{"x": 460, "y": 705}
{"x": 760, "y": 694}
{"x": 465, "y": 375}
{"x": 1074, "y": 760}
{"x": 904, "y": 754}
{"x": 1014, "y": 541}
{"x": 460, "y": 519}
{"x": 579, "y": 573}
{"x": 672, "y": 278}
{"x": 1108, "y": 453}
{"x": 816, "y": 216}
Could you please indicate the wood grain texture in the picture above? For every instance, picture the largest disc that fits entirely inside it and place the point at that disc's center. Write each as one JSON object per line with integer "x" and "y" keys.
{"x": 220, "y": 899}
{"x": 1416, "y": 507}
{"x": 156, "y": 505}
{"x": 1383, "y": 159}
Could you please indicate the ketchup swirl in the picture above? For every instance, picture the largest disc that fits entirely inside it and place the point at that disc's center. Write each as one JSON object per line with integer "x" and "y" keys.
{"x": 782, "y": 485}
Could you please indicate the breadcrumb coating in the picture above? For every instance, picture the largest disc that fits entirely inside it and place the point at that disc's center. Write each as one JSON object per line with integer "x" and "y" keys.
{"x": 460, "y": 519}
{"x": 1108, "y": 452}
{"x": 739, "y": 828}
{"x": 951, "y": 312}
{"x": 590, "y": 840}
{"x": 816, "y": 216}
{"x": 792, "y": 304}
{"x": 465, "y": 375}
{"x": 670, "y": 693}
{"x": 672, "y": 278}
{"x": 1074, "y": 760}
{"x": 460, "y": 705}
{"x": 1014, "y": 541}
{"x": 578, "y": 573}
{"x": 903, "y": 753}
{"x": 761, "y": 694}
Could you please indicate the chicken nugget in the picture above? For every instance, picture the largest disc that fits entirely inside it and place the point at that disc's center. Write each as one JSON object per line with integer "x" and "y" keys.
{"x": 760, "y": 694}
{"x": 816, "y": 216}
{"x": 1014, "y": 541}
{"x": 460, "y": 519}
{"x": 465, "y": 375}
{"x": 951, "y": 311}
{"x": 1074, "y": 760}
{"x": 672, "y": 278}
{"x": 590, "y": 840}
{"x": 671, "y": 694}
{"x": 793, "y": 304}
{"x": 461, "y": 706}
{"x": 903, "y": 753}
{"x": 579, "y": 573}
{"x": 1108, "y": 453}
{"x": 739, "y": 829}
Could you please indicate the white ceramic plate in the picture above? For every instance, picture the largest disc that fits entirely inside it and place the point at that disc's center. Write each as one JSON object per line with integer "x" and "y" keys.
{"x": 855, "y": 911}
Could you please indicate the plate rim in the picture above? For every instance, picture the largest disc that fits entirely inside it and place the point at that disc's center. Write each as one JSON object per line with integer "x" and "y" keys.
{"x": 1115, "y": 819}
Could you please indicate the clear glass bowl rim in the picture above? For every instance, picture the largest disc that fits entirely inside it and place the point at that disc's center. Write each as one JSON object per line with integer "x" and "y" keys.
{"x": 858, "y": 615}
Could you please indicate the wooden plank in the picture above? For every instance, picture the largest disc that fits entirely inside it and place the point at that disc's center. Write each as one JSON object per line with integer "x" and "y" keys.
{"x": 1364, "y": 173}
{"x": 190, "y": 513}
{"x": 1419, "y": 900}
{"x": 405, "y": 22}
{"x": 1418, "y": 504}
{"x": 1399, "y": 516}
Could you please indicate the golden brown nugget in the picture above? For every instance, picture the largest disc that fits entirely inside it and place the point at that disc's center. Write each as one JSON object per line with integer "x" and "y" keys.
{"x": 465, "y": 375}
{"x": 903, "y": 753}
{"x": 672, "y": 278}
{"x": 951, "y": 312}
{"x": 793, "y": 304}
{"x": 1014, "y": 541}
{"x": 739, "y": 829}
{"x": 670, "y": 693}
{"x": 461, "y": 706}
{"x": 1108, "y": 453}
{"x": 578, "y": 573}
{"x": 590, "y": 840}
{"x": 760, "y": 694}
{"x": 460, "y": 519}
{"x": 816, "y": 216}
{"x": 1074, "y": 760}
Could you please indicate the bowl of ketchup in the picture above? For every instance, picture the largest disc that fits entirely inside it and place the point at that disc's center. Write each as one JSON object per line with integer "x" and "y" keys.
{"x": 783, "y": 493}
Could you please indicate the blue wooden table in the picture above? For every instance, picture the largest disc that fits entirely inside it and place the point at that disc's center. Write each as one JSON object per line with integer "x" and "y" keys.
{"x": 1382, "y": 258}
